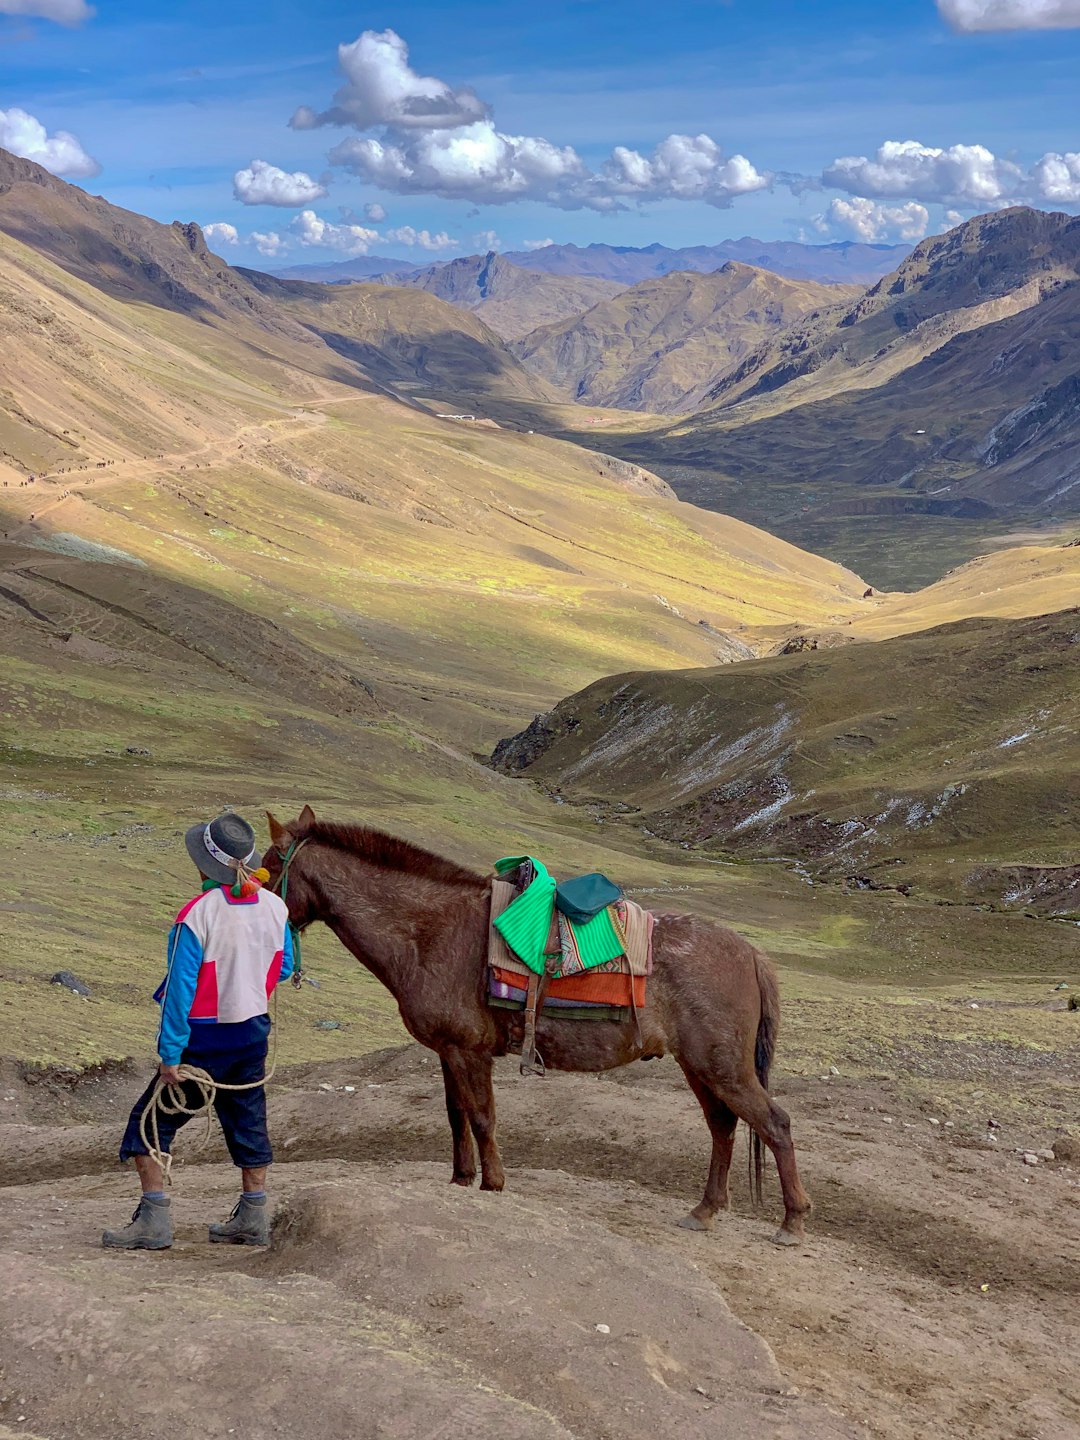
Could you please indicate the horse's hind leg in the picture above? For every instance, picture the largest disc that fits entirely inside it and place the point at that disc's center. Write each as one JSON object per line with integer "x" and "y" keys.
{"x": 464, "y": 1152}
{"x": 472, "y": 1075}
{"x": 722, "y": 1122}
{"x": 753, "y": 1103}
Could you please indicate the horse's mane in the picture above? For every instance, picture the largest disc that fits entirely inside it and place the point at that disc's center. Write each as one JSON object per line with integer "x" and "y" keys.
{"x": 389, "y": 851}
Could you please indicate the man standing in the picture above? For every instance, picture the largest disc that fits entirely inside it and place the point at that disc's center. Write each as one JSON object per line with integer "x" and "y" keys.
{"x": 228, "y": 948}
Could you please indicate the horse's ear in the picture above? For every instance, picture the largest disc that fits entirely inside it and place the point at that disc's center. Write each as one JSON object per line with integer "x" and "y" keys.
{"x": 278, "y": 833}
{"x": 307, "y": 816}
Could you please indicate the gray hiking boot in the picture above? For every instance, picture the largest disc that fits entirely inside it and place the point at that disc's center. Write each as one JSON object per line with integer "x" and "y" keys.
{"x": 150, "y": 1228}
{"x": 249, "y": 1224}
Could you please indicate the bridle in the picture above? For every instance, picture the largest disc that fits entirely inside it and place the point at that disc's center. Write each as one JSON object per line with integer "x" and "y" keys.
{"x": 281, "y": 886}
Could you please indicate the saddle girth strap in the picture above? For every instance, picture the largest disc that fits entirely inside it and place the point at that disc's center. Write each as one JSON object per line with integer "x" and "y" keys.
{"x": 532, "y": 1062}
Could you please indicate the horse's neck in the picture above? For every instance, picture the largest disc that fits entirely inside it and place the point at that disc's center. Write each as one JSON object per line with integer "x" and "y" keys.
{"x": 394, "y": 922}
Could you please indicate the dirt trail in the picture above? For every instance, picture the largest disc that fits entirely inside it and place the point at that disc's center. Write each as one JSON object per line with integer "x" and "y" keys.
{"x": 423, "y": 1293}
{"x": 302, "y": 417}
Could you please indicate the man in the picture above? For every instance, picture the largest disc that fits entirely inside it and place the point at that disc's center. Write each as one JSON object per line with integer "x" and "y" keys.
{"x": 228, "y": 948}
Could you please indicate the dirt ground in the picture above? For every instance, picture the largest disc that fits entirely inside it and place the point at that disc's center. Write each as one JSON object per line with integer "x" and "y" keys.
{"x": 936, "y": 1296}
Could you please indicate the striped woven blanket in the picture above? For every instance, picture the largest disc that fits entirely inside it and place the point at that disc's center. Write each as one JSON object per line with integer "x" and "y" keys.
{"x": 602, "y": 992}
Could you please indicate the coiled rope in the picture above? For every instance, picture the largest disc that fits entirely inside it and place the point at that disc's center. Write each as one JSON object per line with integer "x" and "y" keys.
{"x": 170, "y": 1098}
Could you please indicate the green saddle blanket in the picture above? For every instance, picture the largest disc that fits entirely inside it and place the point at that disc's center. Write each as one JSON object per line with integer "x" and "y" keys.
{"x": 526, "y": 922}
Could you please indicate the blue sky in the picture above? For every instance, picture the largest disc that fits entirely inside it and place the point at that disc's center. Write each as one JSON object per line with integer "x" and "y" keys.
{"x": 545, "y": 121}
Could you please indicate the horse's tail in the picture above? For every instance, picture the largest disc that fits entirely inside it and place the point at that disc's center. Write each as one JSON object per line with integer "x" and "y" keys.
{"x": 764, "y": 1050}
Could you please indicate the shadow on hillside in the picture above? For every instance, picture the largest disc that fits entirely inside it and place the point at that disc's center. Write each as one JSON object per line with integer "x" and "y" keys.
{"x": 95, "y": 258}
{"x": 64, "y": 599}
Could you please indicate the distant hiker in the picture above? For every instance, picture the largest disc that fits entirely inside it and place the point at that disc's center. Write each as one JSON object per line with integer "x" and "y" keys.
{"x": 228, "y": 949}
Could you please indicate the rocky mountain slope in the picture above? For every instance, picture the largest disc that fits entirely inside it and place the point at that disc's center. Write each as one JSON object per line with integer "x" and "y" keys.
{"x": 664, "y": 344}
{"x": 944, "y": 760}
{"x": 994, "y": 267}
{"x": 842, "y": 263}
{"x": 378, "y": 339}
{"x": 508, "y": 298}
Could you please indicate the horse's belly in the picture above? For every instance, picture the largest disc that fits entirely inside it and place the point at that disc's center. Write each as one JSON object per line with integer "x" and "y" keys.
{"x": 590, "y": 1044}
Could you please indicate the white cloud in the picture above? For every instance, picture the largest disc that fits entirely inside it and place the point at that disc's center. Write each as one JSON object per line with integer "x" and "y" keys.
{"x": 538, "y": 244}
{"x": 312, "y": 230}
{"x": 264, "y": 184}
{"x": 486, "y": 240}
{"x": 61, "y": 153}
{"x": 381, "y": 88}
{"x": 1057, "y": 178}
{"x": 872, "y": 222}
{"x": 268, "y": 242}
{"x": 954, "y": 218}
{"x": 220, "y": 232}
{"x": 65, "y": 12}
{"x": 963, "y": 175}
{"x": 969, "y": 173}
{"x": 472, "y": 162}
{"x": 406, "y": 235}
{"x": 478, "y": 162}
{"x": 682, "y": 167}
{"x": 437, "y": 140}
{"x": 969, "y": 15}
{"x": 374, "y": 212}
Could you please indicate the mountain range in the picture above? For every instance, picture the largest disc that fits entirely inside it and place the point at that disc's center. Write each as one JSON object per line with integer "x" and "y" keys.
{"x": 947, "y": 390}
{"x": 843, "y": 262}
{"x": 899, "y": 429}
{"x": 244, "y": 559}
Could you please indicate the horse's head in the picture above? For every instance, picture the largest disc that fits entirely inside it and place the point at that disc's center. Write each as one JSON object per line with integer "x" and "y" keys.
{"x": 287, "y": 876}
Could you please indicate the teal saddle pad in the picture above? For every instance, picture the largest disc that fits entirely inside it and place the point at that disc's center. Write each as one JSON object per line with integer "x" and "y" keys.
{"x": 585, "y": 896}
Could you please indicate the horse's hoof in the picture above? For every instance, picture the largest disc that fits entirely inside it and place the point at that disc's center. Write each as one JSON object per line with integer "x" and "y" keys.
{"x": 492, "y": 1185}
{"x": 785, "y": 1237}
{"x": 695, "y": 1222}
{"x": 463, "y": 1180}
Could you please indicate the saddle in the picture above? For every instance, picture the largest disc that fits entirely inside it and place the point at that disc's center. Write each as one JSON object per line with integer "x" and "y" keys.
{"x": 580, "y": 948}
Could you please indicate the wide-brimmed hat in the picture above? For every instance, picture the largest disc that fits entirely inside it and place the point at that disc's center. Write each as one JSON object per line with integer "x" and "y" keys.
{"x": 219, "y": 847}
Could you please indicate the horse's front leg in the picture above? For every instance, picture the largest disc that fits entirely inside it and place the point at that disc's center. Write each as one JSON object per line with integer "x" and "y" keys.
{"x": 471, "y": 1072}
{"x": 464, "y": 1150}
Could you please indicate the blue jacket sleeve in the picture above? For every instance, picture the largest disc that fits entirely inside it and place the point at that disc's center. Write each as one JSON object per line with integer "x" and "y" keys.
{"x": 288, "y": 964}
{"x": 177, "y": 994}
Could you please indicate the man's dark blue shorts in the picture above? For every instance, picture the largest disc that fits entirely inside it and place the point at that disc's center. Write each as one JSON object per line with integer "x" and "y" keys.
{"x": 233, "y": 1055}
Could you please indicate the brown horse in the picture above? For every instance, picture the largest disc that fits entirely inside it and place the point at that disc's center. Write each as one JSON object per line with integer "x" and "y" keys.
{"x": 420, "y": 925}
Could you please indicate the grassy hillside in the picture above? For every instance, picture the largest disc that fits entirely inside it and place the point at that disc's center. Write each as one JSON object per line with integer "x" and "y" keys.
{"x": 944, "y": 761}
{"x": 663, "y": 344}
